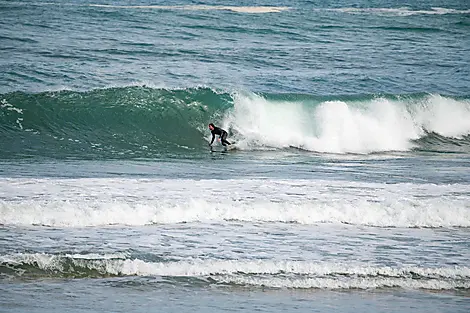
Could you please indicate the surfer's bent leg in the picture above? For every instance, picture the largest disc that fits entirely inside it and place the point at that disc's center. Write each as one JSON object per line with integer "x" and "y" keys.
{"x": 223, "y": 139}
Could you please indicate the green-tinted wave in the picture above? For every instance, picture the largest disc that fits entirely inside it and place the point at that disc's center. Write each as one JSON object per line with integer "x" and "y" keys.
{"x": 143, "y": 122}
{"x": 115, "y": 122}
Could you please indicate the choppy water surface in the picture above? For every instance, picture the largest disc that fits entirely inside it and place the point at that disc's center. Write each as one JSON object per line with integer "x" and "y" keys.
{"x": 349, "y": 189}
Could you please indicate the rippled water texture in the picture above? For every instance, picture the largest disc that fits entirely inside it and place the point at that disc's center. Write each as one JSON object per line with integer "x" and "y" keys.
{"x": 347, "y": 191}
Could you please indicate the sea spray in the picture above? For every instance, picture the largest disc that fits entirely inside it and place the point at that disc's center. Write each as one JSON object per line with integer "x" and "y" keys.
{"x": 136, "y": 122}
{"x": 336, "y": 126}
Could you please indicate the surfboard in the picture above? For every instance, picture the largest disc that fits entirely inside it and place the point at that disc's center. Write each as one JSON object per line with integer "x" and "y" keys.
{"x": 232, "y": 147}
{"x": 222, "y": 149}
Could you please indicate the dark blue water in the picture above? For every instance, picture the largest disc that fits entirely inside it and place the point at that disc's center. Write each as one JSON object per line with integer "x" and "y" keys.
{"x": 311, "y": 47}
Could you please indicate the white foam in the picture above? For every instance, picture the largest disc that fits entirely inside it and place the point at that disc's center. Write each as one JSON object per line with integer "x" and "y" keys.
{"x": 93, "y": 202}
{"x": 267, "y": 273}
{"x": 9, "y": 107}
{"x": 395, "y": 214}
{"x": 344, "y": 127}
{"x": 403, "y": 11}
{"x": 347, "y": 283}
{"x": 238, "y": 9}
{"x": 445, "y": 116}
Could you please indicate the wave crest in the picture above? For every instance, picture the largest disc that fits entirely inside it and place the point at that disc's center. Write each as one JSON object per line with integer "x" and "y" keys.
{"x": 286, "y": 201}
{"x": 136, "y": 122}
{"x": 261, "y": 273}
{"x": 336, "y": 126}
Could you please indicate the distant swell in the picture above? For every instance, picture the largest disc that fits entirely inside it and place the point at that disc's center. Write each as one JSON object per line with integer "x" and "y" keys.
{"x": 238, "y": 9}
{"x": 141, "y": 122}
{"x": 260, "y": 273}
{"x": 403, "y": 11}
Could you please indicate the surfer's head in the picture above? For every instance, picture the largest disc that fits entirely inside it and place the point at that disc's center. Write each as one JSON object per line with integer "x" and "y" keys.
{"x": 211, "y": 126}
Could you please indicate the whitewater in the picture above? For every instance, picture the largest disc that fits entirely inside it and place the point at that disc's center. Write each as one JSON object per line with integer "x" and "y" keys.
{"x": 101, "y": 202}
{"x": 339, "y": 125}
{"x": 348, "y": 190}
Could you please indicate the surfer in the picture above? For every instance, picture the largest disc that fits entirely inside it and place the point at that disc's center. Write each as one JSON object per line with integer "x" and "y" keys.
{"x": 222, "y": 135}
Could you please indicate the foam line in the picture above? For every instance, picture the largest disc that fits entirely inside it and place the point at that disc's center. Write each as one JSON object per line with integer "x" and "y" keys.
{"x": 238, "y": 9}
{"x": 104, "y": 201}
{"x": 266, "y": 273}
{"x": 403, "y": 11}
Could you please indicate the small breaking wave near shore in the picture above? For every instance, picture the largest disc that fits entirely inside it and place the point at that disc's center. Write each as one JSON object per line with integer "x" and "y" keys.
{"x": 361, "y": 213}
{"x": 101, "y": 202}
{"x": 257, "y": 273}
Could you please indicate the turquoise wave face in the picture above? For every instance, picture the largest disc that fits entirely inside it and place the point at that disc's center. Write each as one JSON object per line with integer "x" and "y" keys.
{"x": 107, "y": 123}
{"x": 142, "y": 122}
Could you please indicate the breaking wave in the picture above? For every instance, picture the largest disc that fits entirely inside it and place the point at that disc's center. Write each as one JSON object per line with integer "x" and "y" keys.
{"x": 136, "y": 122}
{"x": 241, "y": 272}
{"x": 77, "y": 203}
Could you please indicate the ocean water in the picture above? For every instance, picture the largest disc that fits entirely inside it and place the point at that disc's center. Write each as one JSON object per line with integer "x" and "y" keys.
{"x": 349, "y": 190}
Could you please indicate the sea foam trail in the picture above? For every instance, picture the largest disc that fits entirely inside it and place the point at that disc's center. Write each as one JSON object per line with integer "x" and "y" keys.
{"x": 266, "y": 273}
{"x": 403, "y": 11}
{"x": 94, "y": 202}
{"x": 238, "y": 9}
{"x": 345, "y": 127}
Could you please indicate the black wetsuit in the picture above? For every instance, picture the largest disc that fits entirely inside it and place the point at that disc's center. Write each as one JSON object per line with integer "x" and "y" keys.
{"x": 222, "y": 134}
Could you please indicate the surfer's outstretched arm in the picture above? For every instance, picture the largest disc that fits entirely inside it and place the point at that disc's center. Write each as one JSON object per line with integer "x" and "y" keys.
{"x": 213, "y": 137}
